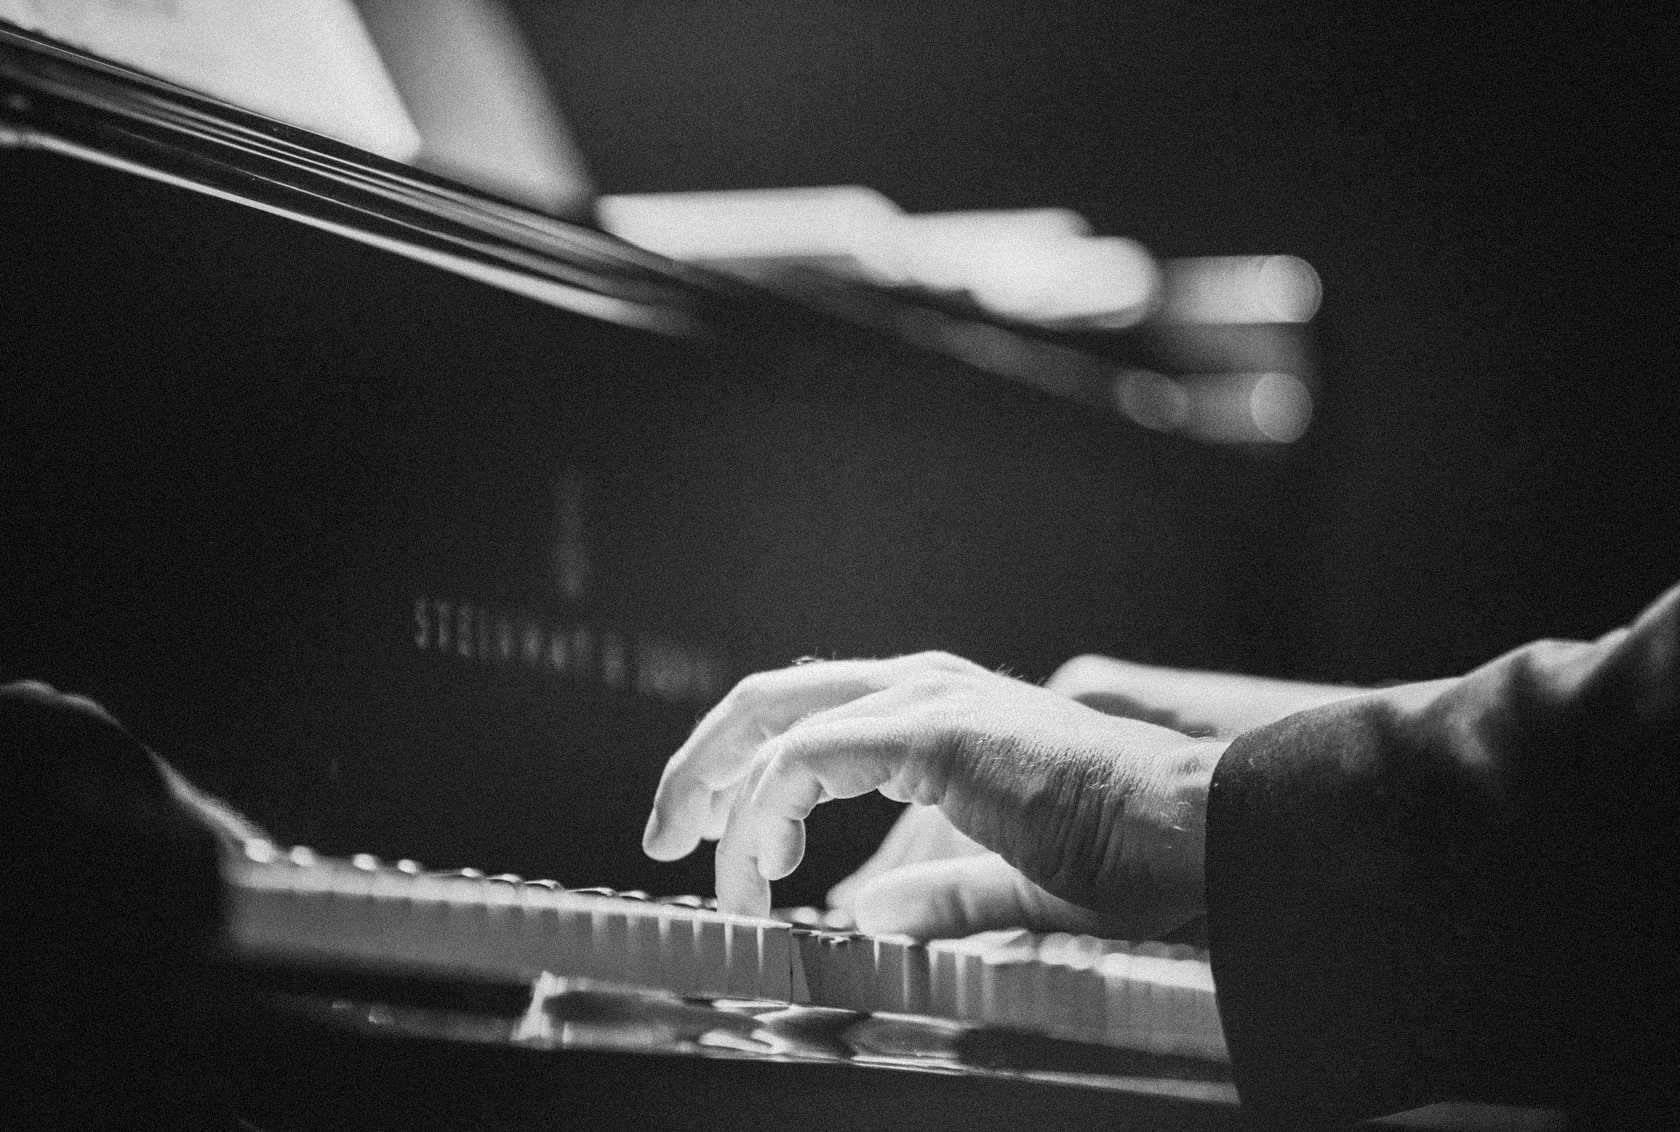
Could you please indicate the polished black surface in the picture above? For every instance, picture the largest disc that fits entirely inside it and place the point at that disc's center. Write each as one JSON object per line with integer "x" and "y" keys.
{"x": 580, "y": 1054}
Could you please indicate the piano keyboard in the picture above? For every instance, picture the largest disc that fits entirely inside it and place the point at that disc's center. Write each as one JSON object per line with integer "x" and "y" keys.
{"x": 296, "y": 907}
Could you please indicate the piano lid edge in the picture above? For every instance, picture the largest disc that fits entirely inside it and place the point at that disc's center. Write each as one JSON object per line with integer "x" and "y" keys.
{"x": 59, "y": 100}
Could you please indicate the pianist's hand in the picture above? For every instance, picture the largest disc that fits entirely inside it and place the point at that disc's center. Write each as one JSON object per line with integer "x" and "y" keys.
{"x": 1094, "y": 820}
{"x": 927, "y": 878}
{"x": 113, "y": 890}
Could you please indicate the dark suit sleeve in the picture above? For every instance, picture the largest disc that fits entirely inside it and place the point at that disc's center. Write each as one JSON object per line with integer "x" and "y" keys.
{"x": 111, "y": 899}
{"x": 1458, "y": 890}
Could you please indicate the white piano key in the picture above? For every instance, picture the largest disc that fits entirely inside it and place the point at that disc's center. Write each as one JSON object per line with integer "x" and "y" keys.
{"x": 873, "y": 980}
{"x": 900, "y": 974}
{"x": 678, "y": 959}
{"x": 775, "y": 949}
{"x": 1008, "y": 968}
{"x": 915, "y": 977}
{"x": 1153, "y": 976}
{"x": 799, "y": 984}
{"x": 969, "y": 991}
{"x": 1210, "y": 1027}
{"x": 1053, "y": 991}
{"x": 612, "y": 942}
{"x": 813, "y": 968}
{"x": 549, "y": 937}
{"x": 1120, "y": 1026}
{"x": 531, "y": 934}
{"x": 641, "y": 948}
{"x": 540, "y": 937}
{"x": 711, "y": 959}
{"x": 1034, "y": 1004}
{"x": 1091, "y": 1010}
{"x": 857, "y": 955}
{"x": 741, "y": 959}
{"x": 839, "y": 958}
{"x": 1067, "y": 1005}
{"x": 943, "y": 996}
{"x": 1198, "y": 1030}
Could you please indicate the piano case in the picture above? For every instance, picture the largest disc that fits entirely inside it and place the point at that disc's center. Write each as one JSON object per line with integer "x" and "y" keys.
{"x": 417, "y": 524}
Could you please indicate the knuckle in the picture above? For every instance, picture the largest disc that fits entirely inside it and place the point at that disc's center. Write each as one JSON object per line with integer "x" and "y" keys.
{"x": 943, "y": 661}
{"x": 749, "y": 693}
{"x": 1080, "y": 674}
{"x": 677, "y": 784}
{"x": 929, "y": 685}
{"x": 791, "y": 750}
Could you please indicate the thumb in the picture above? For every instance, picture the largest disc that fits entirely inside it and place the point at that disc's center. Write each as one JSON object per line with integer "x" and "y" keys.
{"x": 922, "y": 833}
{"x": 963, "y": 895}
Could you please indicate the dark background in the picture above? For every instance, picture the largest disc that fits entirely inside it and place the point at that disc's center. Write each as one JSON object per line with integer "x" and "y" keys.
{"x": 1485, "y": 190}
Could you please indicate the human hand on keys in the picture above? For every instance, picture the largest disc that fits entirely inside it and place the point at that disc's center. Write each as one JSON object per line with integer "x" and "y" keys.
{"x": 928, "y": 878}
{"x": 1073, "y": 818}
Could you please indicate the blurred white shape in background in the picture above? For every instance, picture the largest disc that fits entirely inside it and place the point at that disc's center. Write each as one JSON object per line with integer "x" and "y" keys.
{"x": 1038, "y": 265}
{"x": 1240, "y": 289}
{"x": 445, "y": 85}
{"x": 1219, "y": 408}
{"x": 1280, "y": 406}
{"x": 1152, "y": 400}
{"x": 955, "y": 251}
{"x": 1226, "y": 328}
{"x": 841, "y": 228}
{"x": 485, "y": 113}
{"x": 307, "y": 62}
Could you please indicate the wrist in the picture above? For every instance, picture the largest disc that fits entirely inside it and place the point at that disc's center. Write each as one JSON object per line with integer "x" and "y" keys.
{"x": 1180, "y": 826}
{"x": 1124, "y": 831}
{"x": 1155, "y": 875}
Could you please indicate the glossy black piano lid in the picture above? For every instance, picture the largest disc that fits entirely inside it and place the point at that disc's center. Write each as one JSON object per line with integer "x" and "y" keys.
{"x": 401, "y": 562}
